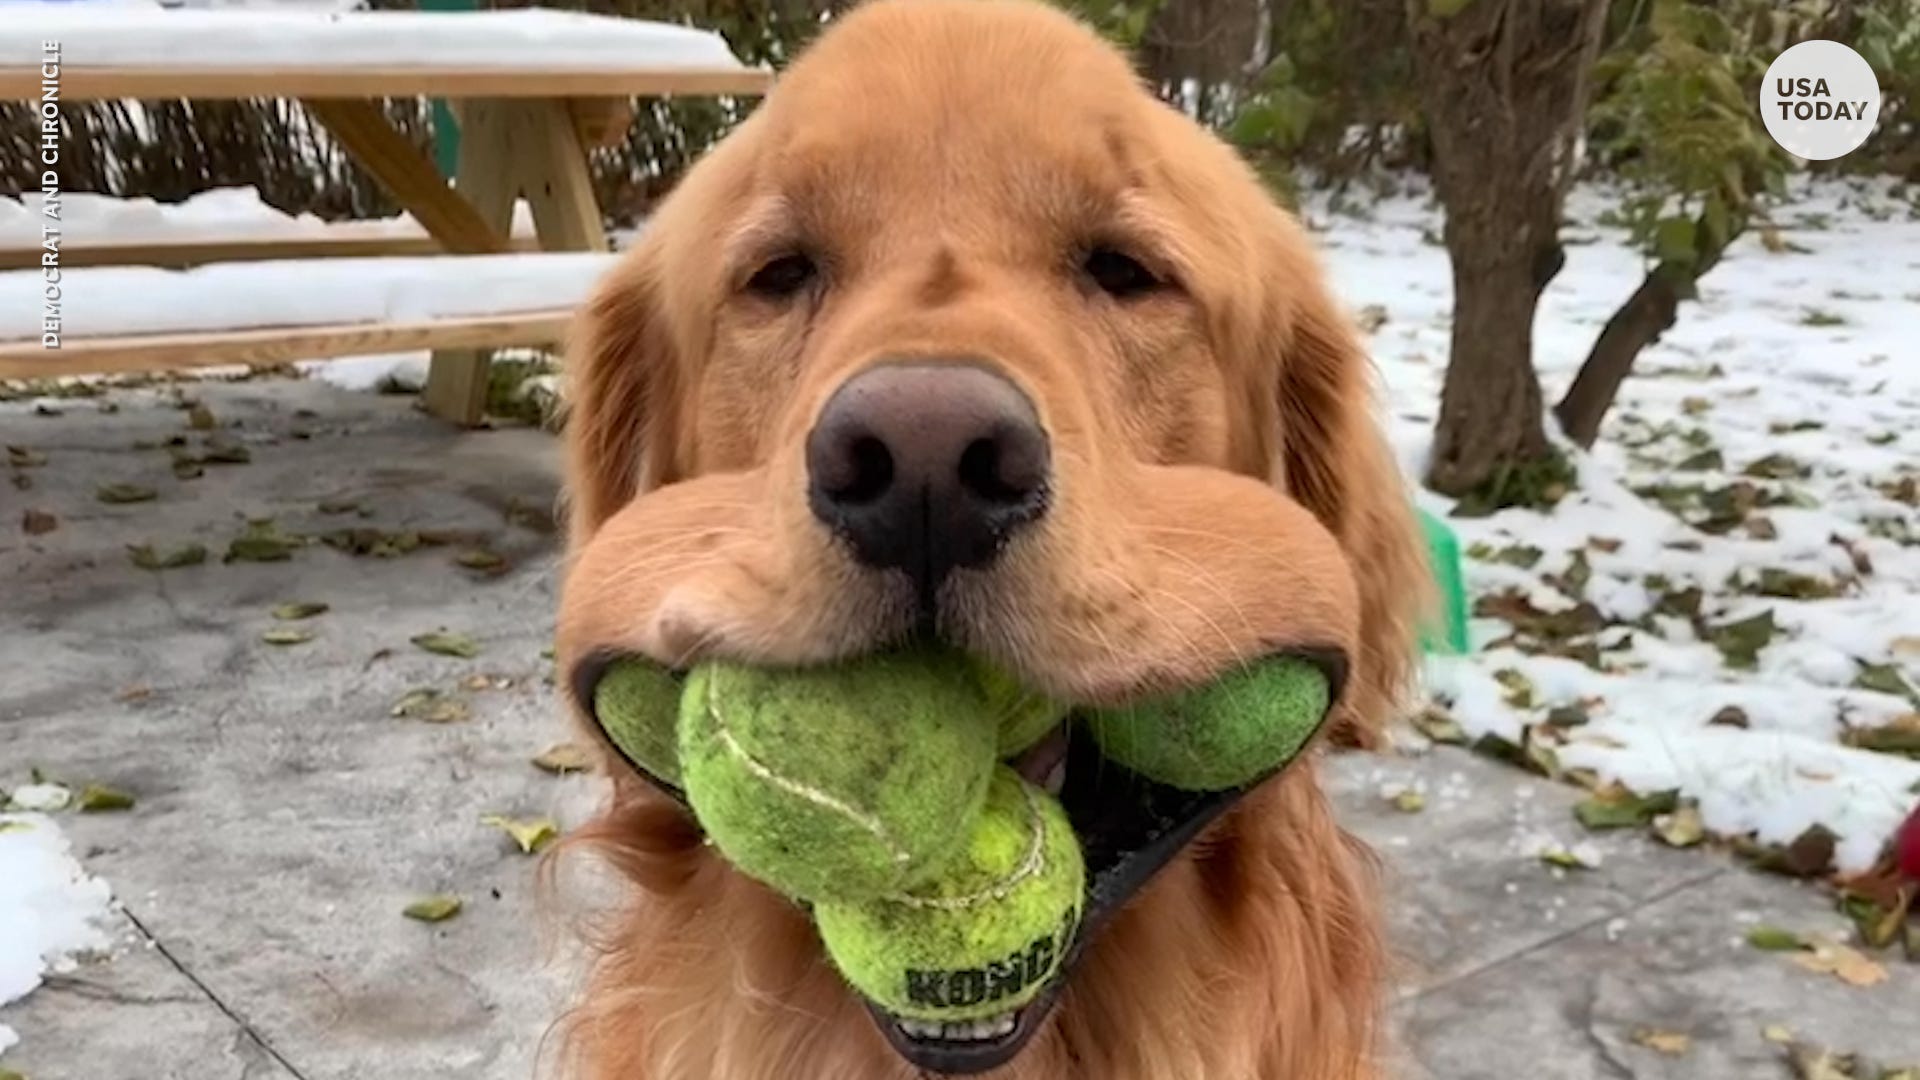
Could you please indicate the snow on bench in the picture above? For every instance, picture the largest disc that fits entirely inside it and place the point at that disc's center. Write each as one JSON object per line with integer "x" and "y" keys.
{"x": 504, "y": 41}
{"x": 144, "y": 318}
{"x": 120, "y": 51}
{"x": 212, "y": 226}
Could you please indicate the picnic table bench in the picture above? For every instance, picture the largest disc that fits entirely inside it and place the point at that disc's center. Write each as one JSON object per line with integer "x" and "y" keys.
{"x": 533, "y": 90}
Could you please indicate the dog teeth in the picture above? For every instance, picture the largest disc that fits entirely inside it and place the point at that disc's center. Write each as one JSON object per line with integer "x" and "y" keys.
{"x": 993, "y": 1027}
{"x": 1056, "y": 778}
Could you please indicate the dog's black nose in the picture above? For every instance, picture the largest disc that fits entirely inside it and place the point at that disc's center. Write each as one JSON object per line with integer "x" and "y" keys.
{"x": 925, "y": 466}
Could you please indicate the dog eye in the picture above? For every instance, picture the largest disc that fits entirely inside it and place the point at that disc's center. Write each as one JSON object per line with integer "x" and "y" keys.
{"x": 783, "y": 277}
{"x": 1118, "y": 274}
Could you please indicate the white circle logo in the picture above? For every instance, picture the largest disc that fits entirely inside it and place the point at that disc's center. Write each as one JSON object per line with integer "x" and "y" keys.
{"x": 1819, "y": 100}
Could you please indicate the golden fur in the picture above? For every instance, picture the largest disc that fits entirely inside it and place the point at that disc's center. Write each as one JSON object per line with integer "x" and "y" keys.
{"x": 1220, "y": 488}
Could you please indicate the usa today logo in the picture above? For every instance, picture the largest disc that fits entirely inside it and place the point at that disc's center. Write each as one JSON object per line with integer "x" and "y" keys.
{"x": 1820, "y": 100}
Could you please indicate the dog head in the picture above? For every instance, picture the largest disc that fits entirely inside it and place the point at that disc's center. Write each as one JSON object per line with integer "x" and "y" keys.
{"x": 964, "y": 334}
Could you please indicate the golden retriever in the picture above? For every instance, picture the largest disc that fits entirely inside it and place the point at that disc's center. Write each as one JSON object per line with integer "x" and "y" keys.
{"x": 966, "y": 334}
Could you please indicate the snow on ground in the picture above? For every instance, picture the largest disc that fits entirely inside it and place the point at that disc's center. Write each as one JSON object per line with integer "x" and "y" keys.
{"x": 1765, "y": 454}
{"x": 51, "y": 909}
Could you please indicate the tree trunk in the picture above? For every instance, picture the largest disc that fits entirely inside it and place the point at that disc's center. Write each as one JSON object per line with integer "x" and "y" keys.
{"x": 1490, "y": 405}
{"x": 1647, "y": 314}
{"x": 1505, "y": 88}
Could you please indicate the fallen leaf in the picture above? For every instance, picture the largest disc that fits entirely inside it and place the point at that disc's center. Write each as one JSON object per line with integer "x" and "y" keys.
{"x": 431, "y": 706}
{"x": 564, "y": 757}
{"x": 1850, "y": 965}
{"x": 1885, "y": 679}
{"x": 134, "y": 693}
{"x": 1877, "y": 926}
{"x": 484, "y": 561}
{"x": 21, "y": 457}
{"x": 98, "y": 798}
{"x": 200, "y": 418}
{"x": 482, "y": 681}
{"x": 38, "y": 522}
{"x": 1732, "y": 716}
{"x": 529, "y": 834}
{"x": 219, "y": 451}
{"x": 448, "y": 643}
{"x": 1778, "y": 467}
{"x": 1704, "y": 461}
{"x": 294, "y": 610}
{"x": 444, "y": 710}
{"x": 1740, "y": 642}
{"x": 1500, "y": 748}
{"x": 1816, "y": 1063}
{"x": 1809, "y": 855}
{"x": 121, "y": 494}
{"x": 413, "y": 701}
{"x": 436, "y": 908}
{"x": 1519, "y": 689}
{"x": 262, "y": 542}
{"x": 146, "y": 557}
{"x": 1682, "y": 828}
{"x": 338, "y": 506}
{"x": 286, "y": 635}
{"x": 1569, "y": 858}
{"x": 1787, "y": 585}
{"x": 1409, "y": 801}
{"x": 1435, "y": 724}
{"x": 1670, "y": 1043}
{"x": 1777, "y": 1033}
{"x": 1774, "y": 939}
{"x": 1570, "y": 715}
{"x": 1523, "y": 556}
{"x": 1616, "y": 807}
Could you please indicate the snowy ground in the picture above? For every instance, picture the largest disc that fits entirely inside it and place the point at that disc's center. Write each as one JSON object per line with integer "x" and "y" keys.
{"x": 53, "y": 910}
{"x": 1728, "y": 600}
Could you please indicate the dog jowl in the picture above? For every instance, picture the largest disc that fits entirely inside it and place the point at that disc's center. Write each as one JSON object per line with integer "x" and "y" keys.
{"x": 962, "y": 988}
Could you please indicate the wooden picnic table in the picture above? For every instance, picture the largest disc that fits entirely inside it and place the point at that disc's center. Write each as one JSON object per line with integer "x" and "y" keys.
{"x": 533, "y": 91}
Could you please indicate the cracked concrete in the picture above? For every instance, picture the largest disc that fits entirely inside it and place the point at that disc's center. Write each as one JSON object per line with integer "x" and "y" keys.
{"x": 285, "y": 817}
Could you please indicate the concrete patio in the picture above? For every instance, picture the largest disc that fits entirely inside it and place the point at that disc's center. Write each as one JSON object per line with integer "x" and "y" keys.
{"x": 284, "y": 816}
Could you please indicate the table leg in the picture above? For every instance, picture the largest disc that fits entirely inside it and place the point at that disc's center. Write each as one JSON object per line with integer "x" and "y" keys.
{"x": 511, "y": 148}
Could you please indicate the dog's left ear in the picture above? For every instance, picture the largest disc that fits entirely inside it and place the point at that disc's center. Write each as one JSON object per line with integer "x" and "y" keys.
{"x": 1332, "y": 456}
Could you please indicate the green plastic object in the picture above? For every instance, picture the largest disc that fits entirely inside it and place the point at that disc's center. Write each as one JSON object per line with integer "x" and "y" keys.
{"x": 1449, "y": 634}
{"x": 446, "y": 130}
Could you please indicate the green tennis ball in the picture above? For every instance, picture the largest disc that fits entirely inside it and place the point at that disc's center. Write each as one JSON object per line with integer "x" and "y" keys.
{"x": 1222, "y": 735}
{"x": 985, "y": 936}
{"x": 839, "y": 782}
{"x": 638, "y": 706}
{"x": 1022, "y": 716}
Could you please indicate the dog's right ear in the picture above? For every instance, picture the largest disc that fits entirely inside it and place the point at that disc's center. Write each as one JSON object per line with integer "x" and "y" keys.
{"x": 622, "y": 378}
